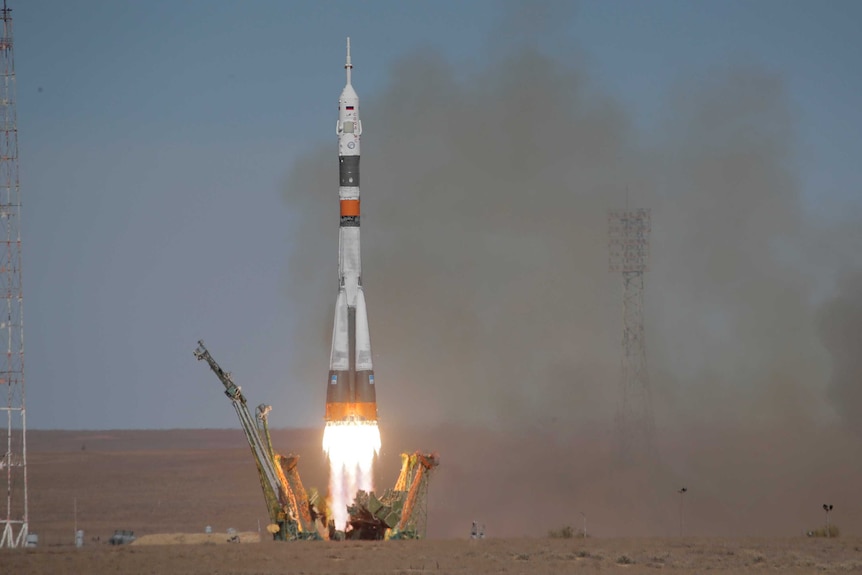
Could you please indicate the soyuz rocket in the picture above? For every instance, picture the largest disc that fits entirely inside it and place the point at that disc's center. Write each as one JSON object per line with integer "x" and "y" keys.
{"x": 350, "y": 394}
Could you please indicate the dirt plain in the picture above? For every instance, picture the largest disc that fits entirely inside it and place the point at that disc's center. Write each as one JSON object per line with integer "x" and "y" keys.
{"x": 526, "y": 555}
{"x": 168, "y": 486}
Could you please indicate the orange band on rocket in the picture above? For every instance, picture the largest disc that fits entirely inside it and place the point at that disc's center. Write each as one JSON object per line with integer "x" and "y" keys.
{"x": 349, "y": 207}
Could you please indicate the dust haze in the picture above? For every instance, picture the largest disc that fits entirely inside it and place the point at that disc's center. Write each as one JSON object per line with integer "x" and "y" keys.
{"x": 496, "y": 324}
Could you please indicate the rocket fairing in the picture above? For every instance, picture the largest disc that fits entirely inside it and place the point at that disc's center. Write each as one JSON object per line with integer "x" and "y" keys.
{"x": 350, "y": 394}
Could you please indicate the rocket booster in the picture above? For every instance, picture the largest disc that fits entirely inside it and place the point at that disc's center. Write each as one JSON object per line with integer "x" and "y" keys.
{"x": 350, "y": 394}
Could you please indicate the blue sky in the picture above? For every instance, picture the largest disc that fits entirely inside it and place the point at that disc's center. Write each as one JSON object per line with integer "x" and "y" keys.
{"x": 156, "y": 137}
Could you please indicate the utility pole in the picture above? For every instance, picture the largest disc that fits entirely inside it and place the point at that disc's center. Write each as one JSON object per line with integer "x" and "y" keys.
{"x": 682, "y": 491}
{"x": 14, "y": 513}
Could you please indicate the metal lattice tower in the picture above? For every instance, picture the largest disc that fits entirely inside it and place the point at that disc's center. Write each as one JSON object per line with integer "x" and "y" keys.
{"x": 629, "y": 253}
{"x": 416, "y": 471}
{"x": 14, "y": 522}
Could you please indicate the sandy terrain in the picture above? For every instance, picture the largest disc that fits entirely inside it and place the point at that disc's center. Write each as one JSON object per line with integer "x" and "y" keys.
{"x": 534, "y": 556}
{"x": 167, "y": 486}
{"x": 197, "y": 538}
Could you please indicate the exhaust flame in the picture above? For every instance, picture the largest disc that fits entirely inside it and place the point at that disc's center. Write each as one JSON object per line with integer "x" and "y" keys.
{"x": 351, "y": 447}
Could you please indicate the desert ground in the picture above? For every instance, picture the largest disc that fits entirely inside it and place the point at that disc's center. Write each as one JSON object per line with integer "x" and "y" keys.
{"x": 168, "y": 486}
{"x": 526, "y": 555}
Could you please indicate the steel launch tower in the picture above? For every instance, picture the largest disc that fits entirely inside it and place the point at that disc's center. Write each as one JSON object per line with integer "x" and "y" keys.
{"x": 629, "y": 254}
{"x": 14, "y": 522}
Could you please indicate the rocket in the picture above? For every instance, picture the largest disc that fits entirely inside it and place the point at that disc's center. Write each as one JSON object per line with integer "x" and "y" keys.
{"x": 350, "y": 394}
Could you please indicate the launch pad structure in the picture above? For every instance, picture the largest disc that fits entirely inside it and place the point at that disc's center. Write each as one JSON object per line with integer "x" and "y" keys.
{"x": 297, "y": 514}
{"x": 628, "y": 234}
{"x": 14, "y": 513}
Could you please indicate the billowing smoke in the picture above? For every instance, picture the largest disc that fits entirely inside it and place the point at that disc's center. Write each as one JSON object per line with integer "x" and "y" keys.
{"x": 841, "y": 322}
{"x": 483, "y": 231}
{"x": 485, "y": 268}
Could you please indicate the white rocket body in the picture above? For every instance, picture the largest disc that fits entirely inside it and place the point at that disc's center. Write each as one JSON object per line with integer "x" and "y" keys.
{"x": 350, "y": 391}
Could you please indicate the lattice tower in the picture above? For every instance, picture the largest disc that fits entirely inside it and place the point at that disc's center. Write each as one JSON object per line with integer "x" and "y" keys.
{"x": 14, "y": 521}
{"x": 629, "y": 254}
{"x": 416, "y": 471}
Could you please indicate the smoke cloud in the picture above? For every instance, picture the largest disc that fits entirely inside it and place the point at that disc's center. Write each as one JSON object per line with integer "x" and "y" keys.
{"x": 841, "y": 321}
{"x": 491, "y": 306}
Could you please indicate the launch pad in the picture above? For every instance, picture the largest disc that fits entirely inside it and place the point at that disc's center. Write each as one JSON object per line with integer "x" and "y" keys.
{"x": 400, "y": 513}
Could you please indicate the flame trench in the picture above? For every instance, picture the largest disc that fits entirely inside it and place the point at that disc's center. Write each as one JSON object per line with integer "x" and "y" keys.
{"x": 351, "y": 447}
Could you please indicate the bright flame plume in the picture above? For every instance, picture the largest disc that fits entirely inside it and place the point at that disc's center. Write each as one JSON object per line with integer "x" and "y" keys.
{"x": 351, "y": 447}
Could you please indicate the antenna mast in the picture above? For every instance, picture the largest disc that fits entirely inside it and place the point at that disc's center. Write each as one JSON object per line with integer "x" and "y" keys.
{"x": 14, "y": 520}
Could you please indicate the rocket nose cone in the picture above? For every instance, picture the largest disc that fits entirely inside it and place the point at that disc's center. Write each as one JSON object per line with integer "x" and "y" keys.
{"x": 349, "y": 94}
